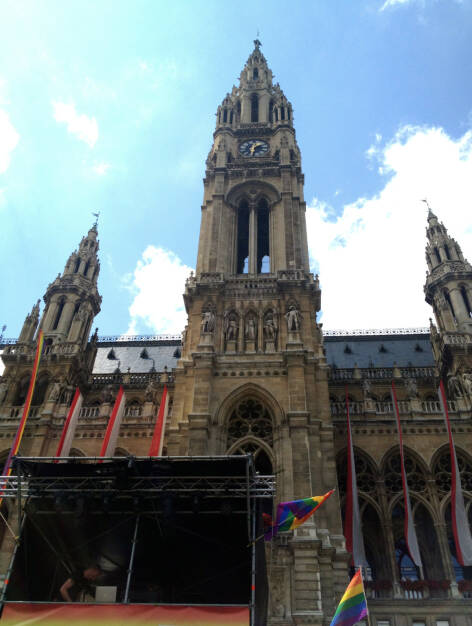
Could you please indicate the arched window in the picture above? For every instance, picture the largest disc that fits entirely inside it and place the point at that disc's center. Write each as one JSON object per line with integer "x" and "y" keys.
{"x": 242, "y": 251}
{"x": 263, "y": 259}
{"x": 225, "y": 116}
{"x": 366, "y": 473}
{"x": 255, "y": 73}
{"x": 250, "y": 420}
{"x": 276, "y": 112}
{"x": 86, "y": 269}
{"x": 282, "y": 113}
{"x": 77, "y": 265}
{"x": 461, "y": 573}
{"x": 374, "y": 543}
{"x": 446, "y": 250}
{"x": 76, "y": 310}
{"x": 288, "y": 113}
{"x": 465, "y": 298}
{"x": 58, "y": 314}
{"x": 21, "y": 391}
{"x": 254, "y": 108}
{"x": 438, "y": 256}
{"x": 231, "y": 117}
{"x": 271, "y": 111}
{"x": 133, "y": 409}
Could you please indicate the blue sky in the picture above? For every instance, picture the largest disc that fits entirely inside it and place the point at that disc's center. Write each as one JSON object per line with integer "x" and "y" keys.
{"x": 110, "y": 106}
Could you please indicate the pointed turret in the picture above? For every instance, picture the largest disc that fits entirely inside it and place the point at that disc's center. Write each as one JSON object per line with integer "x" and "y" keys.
{"x": 257, "y": 100}
{"x": 30, "y": 324}
{"x": 72, "y": 300}
{"x": 448, "y": 285}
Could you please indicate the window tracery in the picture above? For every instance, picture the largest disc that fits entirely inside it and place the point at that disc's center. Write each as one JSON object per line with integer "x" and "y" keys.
{"x": 442, "y": 472}
{"x": 365, "y": 474}
{"x": 250, "y": 418}
{"x": 393, "y": 479}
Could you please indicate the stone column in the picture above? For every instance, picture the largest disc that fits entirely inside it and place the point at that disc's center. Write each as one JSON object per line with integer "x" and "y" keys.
{"x": 199, "y": 418}
{"x": 458, "y": 304}
{"x": 67, "y": 313}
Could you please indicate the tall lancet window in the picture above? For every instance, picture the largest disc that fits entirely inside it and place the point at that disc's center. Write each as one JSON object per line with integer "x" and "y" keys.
{"x": 254, "y": 108}
{"x": 242, "y": 250}
{"x": 263, "y": 260}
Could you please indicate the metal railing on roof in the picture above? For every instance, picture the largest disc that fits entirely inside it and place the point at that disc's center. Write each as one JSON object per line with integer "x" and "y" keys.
{"x": 422, "y": 330}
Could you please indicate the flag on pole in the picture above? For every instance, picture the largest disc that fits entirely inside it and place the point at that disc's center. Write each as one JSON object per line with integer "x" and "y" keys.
{"x": 460, "y": 523}
{"x": 292, "y": 514}
{"x": 158, "y": 436}
{"x": 409, "y": 525}
{"x": 353, "y": 605}
{"x": 114, "y": 423}
{"x": 352, "y": 523}
{"x": 70, "y": 425}
{"x": 29, "y": 397}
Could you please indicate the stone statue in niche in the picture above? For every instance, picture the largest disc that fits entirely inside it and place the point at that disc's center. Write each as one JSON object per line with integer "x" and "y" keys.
{"x": 250, "y": 330}
{"x": 293, "y": 318}
{"x": 208, "y": 322}
{"x": 270, "y": 327}
{"x": 3, "y": 389}
{"x": 367, "y": 387}
{"x": 55, "y": 392}
{"x": 466, "y": 382}
{"x": 411, "y": 388}
{"x": 81, "y": 314}
{"x": 230, "y": 327}
{"x": 150, "y": 391}
{"x": 454, "y": 387}
{"x": 107, "y": 393}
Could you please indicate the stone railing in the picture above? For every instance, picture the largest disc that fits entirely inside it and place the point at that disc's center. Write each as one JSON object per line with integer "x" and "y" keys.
{"x": 338, "y": 409}
{"x": 380, "y": 373}
{"x": 137, "y": 380}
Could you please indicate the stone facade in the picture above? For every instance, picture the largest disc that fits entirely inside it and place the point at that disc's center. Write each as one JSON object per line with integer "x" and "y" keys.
{"x": 253, "y": 372}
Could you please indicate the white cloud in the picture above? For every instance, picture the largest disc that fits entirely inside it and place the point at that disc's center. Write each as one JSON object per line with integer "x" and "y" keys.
{"x": 391, "y": 3}
{"x": 158, "y": 283}
{"x": 8, "y": 140}
{"x": 372, "y": 258}
{"x": 101, "y": 168}
{"x": 83, "y": 127}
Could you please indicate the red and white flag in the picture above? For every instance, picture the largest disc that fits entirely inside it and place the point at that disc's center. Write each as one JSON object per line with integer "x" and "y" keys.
{"x": 158, "y": 436}
{"x": 70, "y": 425}
{"x": 460, "y": 523}
{"x": 409, "y": 527}
{"x": 114, "y": 423}
{"x": 352, "y": 522}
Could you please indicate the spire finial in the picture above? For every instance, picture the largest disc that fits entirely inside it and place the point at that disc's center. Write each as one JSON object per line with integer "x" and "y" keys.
{"x": 96, "y": 215}
{"x": 257, "y": 43}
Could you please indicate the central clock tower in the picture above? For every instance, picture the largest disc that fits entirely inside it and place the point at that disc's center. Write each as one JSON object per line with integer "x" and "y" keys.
{"x": 253, "y": 375}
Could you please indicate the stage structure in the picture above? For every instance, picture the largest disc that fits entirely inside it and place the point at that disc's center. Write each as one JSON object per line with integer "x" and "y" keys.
{"x": 172, "y": 536}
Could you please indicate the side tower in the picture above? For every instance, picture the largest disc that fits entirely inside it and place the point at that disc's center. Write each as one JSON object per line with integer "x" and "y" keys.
{"x": 448, "y": 289}
{"x": 253, "y": 376}
{"x": 71, "y": 303}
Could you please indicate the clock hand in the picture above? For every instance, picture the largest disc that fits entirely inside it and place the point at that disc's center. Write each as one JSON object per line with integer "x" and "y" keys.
{"x": 252, "y": 148}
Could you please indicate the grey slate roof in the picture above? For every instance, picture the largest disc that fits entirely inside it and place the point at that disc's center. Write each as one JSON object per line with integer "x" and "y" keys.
{"x": 128, "y": 355}
{"x": 379, "y": 351}
{"x": 408, "y": 350}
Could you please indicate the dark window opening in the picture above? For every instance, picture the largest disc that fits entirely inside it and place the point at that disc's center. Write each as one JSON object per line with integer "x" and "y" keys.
{"x": 242, "y": 263}
{"x": 255, "y": 73}
{"x": 225, "y": 116}
{"x": 254, "y": 108}
{"x": 271, "y": 111}
{"x": 21, "y": 392}
{"x": 438, "y": 257}
{"x": 466, "y": 301}
{"x": 347, "y": 350}
{"x": 77, "y": 265}
{"x": 448, "y": 300}
{"x": 418, "y": 348}
{"x": 144, "y": 354}
{"x": 40, "y": 391}
{"x": 177, "y": 353}
{"x": 383, "y": 348}
{"x": 111, "y": 355}
{"x": 288, "y": 113}
{"x": 282, "y": 113}
{"x": 58, "y": 314}
{"x": 276, "y": 111}
{"x": 263, "y": 259}
{"x": 76, "y": 309}
{"x": 446, "y": 250}
{"x": 87, "y": 266}
{"x": 231, "y": 117}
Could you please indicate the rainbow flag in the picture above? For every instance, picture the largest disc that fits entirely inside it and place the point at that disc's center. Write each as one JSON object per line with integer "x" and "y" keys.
{"x": 293, "y": 514}
{"x": 353, "y": 605}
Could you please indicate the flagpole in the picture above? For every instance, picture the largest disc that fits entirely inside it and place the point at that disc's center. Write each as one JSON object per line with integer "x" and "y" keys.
{"x": 366, "y": 603}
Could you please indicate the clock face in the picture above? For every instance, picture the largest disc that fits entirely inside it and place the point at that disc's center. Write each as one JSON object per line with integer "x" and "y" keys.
{"x": 253, "y": 147}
